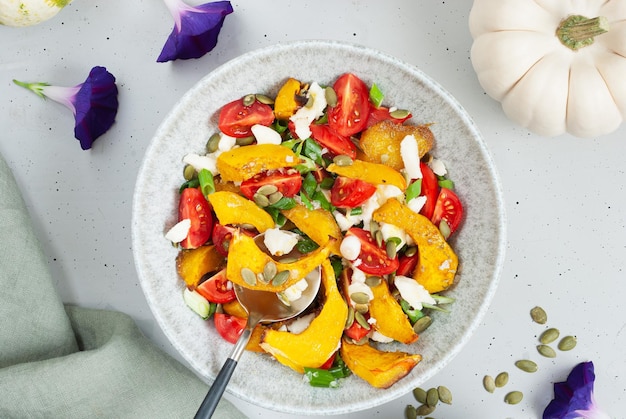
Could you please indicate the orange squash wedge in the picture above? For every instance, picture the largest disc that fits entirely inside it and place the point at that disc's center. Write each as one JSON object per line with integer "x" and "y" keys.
{"x": 390, "y": 319}
{"x": 232, "y": 208}
{"x": 242, "y": 163}
{"x": 374, "y": 173}
{"x": 192, "y": 264}
{"x": 319, "y": 224}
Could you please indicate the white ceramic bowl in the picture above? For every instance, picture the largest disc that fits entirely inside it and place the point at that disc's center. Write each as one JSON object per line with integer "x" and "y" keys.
{"x": 479, "y": 244}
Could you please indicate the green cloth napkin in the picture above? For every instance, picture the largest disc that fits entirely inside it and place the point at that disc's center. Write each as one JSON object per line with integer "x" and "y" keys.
{"x": 61, "y": 361}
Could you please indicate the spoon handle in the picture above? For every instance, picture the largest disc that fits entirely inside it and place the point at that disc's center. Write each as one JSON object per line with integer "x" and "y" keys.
{"x": 212, "y": 398}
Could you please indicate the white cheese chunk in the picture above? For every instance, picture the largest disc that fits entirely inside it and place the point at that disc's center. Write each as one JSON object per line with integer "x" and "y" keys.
{"x": 350, "y": 247}
{"x": 179, "y": 232}
{"x": 226, "y": 142}
{"x": 359, "y": 287}
{"x": 300, "y": 324}
{"x": 409, "y": 151}
{"x": 438, "y": 167}
{"x": 379, "y": 337}
{"x": 265, "y": 135}
{"x": 294, "y": 292}
{"x": 390, "y": 230}
{"x": 416, "y": 204}
{"x": 202, "y": 162}
{"x": 280, "y": 242}
{"x": 413, "y": 292}
{"x": 307, "y": 114}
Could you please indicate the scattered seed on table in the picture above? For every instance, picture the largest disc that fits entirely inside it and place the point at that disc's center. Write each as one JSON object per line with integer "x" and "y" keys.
{"x": 419, "y": 394}
{"x": 513, "y": 397}
{"x": 526, "y": 365}
{"x": 432, "y": 397}
{"x": 410, "y": 412}
{"x": 502, "y": 379}
{"x": 489, "y": 383}
{"x": 546, "y": 350}
{"x": 538, "y": 315}
{"x": 425, "y": 409}
{"x": 549, "y": 336}
{"x": 567, "y": 343}
{"x": 445, "y": 395}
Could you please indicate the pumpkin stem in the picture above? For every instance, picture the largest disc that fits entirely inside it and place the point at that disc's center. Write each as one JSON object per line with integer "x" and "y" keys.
{"x": 578, "y": 31}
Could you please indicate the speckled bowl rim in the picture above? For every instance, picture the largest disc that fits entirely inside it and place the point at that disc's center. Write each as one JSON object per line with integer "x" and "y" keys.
{"x": 480, "y": 243}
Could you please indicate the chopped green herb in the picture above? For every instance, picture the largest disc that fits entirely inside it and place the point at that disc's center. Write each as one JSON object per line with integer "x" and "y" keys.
{"x": 446, "y": 183}
{"x": 327, "y": 183}
{"x": 320, "y": 378}
{"x": 356, "y": 211}
{"x": 309, "y": 184}
{"x": 376, "y": 96}
{"x": 413, "y": 315}
{"x": 414, "y": 190}
{"x": 193, "y": 183}
{"x": 205, "y": 177}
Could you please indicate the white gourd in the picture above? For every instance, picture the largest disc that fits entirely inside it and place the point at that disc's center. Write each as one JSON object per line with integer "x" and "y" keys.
{"x": 542, "y": 83}
{"x": 29, "y": 12}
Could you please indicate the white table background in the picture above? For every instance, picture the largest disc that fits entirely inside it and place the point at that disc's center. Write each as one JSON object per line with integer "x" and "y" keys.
{"x": 565, "y": 197}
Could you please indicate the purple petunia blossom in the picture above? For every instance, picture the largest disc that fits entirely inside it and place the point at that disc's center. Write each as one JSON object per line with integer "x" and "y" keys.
{"x": 573, "y": 398}
{"x": 93, "y": 102}
{"x": 196, "y": 29}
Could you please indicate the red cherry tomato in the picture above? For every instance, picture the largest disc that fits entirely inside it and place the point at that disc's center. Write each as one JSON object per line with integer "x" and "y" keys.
{"x": 237, "y": 119}
{"x": 287, "y": 180}
{"x": 350, "y": 193}
{"x": 217, "y": 289}
{"x": 374, "y": 259}
{"x": 350, "y": 114}
{"x": 229, "y": 327}
{"x": 356, "y": 332}
{"x": 329, "y": 362}
{"x": 335, "y": 143}
{"x": 194, "y": 206}
{"x": 430, "y": 189}
{"x": 407, "y": 265}
{"x": 223, "y": 234}
{"x": 382, "y": 114}
{"x": 449, "y": 208}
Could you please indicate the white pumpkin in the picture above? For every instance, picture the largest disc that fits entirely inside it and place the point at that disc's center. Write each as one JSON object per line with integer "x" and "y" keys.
{"x": 29, "y": 12}
{"x": 542, "y": 83}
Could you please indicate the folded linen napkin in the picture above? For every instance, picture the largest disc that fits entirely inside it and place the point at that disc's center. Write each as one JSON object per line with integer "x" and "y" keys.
{"x": 61, "y": 361}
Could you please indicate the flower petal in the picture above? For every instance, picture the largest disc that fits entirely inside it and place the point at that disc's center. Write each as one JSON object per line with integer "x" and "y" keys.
{"x": 96, "y": 106}
{"x": 199, "y": 29}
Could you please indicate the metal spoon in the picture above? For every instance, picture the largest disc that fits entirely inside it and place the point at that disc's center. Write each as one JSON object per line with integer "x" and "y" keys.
{"x": 262, "y": 306}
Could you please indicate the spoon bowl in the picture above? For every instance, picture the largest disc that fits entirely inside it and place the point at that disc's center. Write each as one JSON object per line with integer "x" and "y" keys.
{"x": 262, "y": 307}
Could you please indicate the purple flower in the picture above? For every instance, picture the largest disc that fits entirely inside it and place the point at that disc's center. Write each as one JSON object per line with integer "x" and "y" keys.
{"x": 196, "y": 29}
{"x": 574, "y": 398}
{"x": 93, "y": 102}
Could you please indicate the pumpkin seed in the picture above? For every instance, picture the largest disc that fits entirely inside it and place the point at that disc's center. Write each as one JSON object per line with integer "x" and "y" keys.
{"x": 513, "y": 397}
{"x": 213, "y": 143}
{"x": 360, "y": 319}
{"x": 280, "y": 278}
{"x": 489, "y": 383}
{"x": 269, "y": 271}
{"x": 410, "y": 251}
{"x": 526, "y": 365}
{"x": 331, "y": 96}
{"x": 248, "y": 276}
{"x": 350, "y": 318}
{"x": 501, "y": 379}
{"x": 419, "y": 394}
{"x": 267, "y": 189}
{"x": 261, "y": 200}
{"x": 264, "y": 99}
{"x": 546, "y": 351}
{"x": 343, "y": 160}
{"x": 410, "y": 412}
{"x": 361, "y": 308}
{"x": 275, "y": 197}
{"x": 378, "y": 236}
{"x": 245, "y": 140}
{"x": 248, "y": 100}
{"x": 549, "y": 336}
{"x": 288, "y": 259}
{"x": 374, "y": 227}
{"x": 247, "y": 226}
{"x": 432, "y": 397}
{"x": 360, "y": 297}
{"x": 424, "y": 410}
{"x": 445, "y": 395}
{"x": 189, "y": 172}
{"x": 399, "y": 113}
{"x": 373, "y": 281}
{"x": 538, "y": 315}
{"x": 422, "y": 324}
{"x": 567, "y": 343}
{"x": 391, "y": 249}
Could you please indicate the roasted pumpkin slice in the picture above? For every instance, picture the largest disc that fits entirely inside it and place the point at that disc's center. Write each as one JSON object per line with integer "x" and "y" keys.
{"x": 232, "y": 208}
{"x": 242, "y": 163}
{"x": 320, "y": 340}
{"x": 390, "y": 319}
{"x": 437, "y": 264}
{"x": 374, "y": 173}
{"x": 380, "y": 143}
{"x": 285, "y": 103}
{"x": 244, "y": 254}
{"x": 319, "y": 224}
{"x": 192, "y": 264}
{"x": 380, "y": 369}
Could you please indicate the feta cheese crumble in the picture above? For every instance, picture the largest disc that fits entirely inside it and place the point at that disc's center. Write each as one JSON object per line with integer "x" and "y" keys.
{"x": 409, "y": 150}
{"x": 280, "y": 242}
{"x": 350, "y": 247}
{"x": 307, "y": 114}
{"x": 179, "y": 232}
{"x": 413, "y": 292}
{"x": 265, "y": 135}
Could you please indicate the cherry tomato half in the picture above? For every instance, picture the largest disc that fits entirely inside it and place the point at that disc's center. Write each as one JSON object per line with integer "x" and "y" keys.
{"x": 217, "y": 289}
{"x": 229, "y": 327}
{"x": 287, "y": 180}
{"x": 407, "y": 264}
{"x": 382, "y": 114}
{"x": 374, "y": 259}
{"x": 335, "y": 143}
{"x": 222, "y": 234}
{"x": 194, "y": 206}
{"x": 237, "y": 119}
{"x": 329, "y": 362}
{"x": 430, "y": 189}
{"x": 449, "y": 208}
{"x": 356, "y": 332}
{"x": 350, "y": 114}
{"x": 349, "y": 193}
